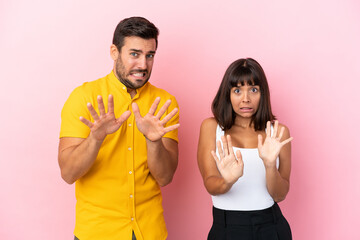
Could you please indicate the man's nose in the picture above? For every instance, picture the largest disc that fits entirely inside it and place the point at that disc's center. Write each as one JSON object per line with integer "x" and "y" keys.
{"x": 142, "y": 63}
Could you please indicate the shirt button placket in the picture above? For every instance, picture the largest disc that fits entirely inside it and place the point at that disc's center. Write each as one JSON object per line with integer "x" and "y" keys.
{"x": 131, "y": 169}
{"x": 130, "y": 148}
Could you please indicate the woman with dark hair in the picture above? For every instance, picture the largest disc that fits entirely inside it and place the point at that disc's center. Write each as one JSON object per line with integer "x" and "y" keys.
{"x": 244, "y": 156}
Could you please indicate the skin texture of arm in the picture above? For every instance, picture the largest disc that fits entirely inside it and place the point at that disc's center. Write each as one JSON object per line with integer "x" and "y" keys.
{"x": 162, "y": 152}
{"x": 214, "y": 182}
{"x": 277, "y": 180}
{"x": 162, "y": 159}
{"x": 77, "y": 155}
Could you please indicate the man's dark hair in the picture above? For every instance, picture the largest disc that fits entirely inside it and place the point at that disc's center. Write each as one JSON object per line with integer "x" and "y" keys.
{"x": 242, "y": 71}
{"x": 134, "y": 26}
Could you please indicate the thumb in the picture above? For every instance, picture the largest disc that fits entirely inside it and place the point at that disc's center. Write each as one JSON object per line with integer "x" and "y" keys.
{"x": 260, "y": 140}
{"x": 123, "y": 117}
{"x": 136, "y": 110}
{"x": 239, "y": 156}
{"x": 215, "y": 158}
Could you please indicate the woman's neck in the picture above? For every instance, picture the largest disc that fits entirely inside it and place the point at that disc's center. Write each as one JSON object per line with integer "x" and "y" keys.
{"x": 243, "y": 123}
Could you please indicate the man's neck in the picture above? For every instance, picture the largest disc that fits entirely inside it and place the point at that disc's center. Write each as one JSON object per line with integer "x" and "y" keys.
{"x": 132, "y": 92}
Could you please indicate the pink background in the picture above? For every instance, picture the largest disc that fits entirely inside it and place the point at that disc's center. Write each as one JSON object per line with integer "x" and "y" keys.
{"x": 308, "y": 49}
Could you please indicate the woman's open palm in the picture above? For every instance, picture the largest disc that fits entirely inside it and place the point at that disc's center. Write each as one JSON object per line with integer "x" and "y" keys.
{"x": 231, "y": 167}
{"x": 269, "y": 149}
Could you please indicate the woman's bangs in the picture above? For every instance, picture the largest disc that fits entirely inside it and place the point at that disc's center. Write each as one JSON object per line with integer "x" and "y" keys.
{"x": 243, "y": 77}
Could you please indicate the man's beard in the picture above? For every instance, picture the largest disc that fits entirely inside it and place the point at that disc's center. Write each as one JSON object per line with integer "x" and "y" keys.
{"x": 121, "y": 74}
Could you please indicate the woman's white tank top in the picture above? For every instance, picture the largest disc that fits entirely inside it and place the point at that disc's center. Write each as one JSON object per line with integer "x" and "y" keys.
{"x": 249, "y": 192}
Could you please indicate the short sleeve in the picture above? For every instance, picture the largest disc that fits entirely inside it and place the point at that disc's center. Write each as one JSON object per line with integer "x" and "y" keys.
{"x": 74, "y": 107}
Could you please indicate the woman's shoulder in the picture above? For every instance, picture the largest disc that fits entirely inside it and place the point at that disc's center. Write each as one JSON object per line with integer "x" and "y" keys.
{"x": 283, "y": 125}
{"x": 286, "y": 129}
{"x": 209, "y": 123}
{"x": 208, "y": 132}
{"x": 208, "y": 126}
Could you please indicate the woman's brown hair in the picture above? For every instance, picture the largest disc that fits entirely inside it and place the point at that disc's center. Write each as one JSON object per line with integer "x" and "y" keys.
{"x": 242, "y": 71}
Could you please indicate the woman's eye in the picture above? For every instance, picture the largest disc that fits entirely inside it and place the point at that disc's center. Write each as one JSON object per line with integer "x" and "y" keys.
{"x": 237, "y": 91}
{"x": 254, "y": 90}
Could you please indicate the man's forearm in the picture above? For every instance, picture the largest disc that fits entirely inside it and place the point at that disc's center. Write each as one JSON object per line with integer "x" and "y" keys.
{"x": 75, "y": 160}
{"x": 162, "y": 160}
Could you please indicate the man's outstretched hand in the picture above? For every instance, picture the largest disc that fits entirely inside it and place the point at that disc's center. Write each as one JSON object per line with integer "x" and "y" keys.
{"x": 150, "y": 125}
{"x": 105, "y": 123}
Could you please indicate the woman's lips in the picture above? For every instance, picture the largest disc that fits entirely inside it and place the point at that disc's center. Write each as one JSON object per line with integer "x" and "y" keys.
{"x": 246, "y": 109}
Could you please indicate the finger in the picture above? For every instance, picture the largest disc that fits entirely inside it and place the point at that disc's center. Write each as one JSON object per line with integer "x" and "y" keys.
{"x": 225, "y": 145}
{"x": 220, "y": 150}
{"x": 154, "y": 106}
{"x": 101, "y": 105}
{"x": 268, "y": 129}
{"x": 171, "y": 128}
{"x": 276, "y": 126}
{"x": 231, "y": 149}
{"x": 239, "y": 157}
{"x": 123, "y": 117}
{"x": 217, "y": 160}
{"x": 286, "y": 141}
{"x": 111, "y": 104}
{"x": 169, "y": 116}
{"x": 260, "y": 141}
{"x": 86, "y": 122}
{"x": 281, "y": 133}
{"x": 136, "y": 111}
{"x": 93, "y": 112}
{"x": 163, "y": 109}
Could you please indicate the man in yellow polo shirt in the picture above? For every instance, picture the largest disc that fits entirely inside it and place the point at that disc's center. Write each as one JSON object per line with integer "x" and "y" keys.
{"x": 119, "y": 143}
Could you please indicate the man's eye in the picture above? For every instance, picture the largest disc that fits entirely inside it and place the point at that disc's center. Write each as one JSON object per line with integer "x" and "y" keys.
{"x": 150, "y": 55}
{"x": 134, "y": 54}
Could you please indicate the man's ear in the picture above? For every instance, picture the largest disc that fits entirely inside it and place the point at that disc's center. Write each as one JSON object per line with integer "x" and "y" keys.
{"x": 114, "y": 52}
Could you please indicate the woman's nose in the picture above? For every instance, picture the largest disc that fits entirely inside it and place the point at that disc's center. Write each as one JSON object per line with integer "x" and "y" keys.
{"x": 245, "y": 97}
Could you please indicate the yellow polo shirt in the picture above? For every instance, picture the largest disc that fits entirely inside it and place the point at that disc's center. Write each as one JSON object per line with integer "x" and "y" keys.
{"x": 118, "y": 194}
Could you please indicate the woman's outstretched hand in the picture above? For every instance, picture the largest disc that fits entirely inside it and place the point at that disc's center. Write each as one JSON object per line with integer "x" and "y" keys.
{"x": 231, "y": 167}
{"x": 269, "y": 149}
